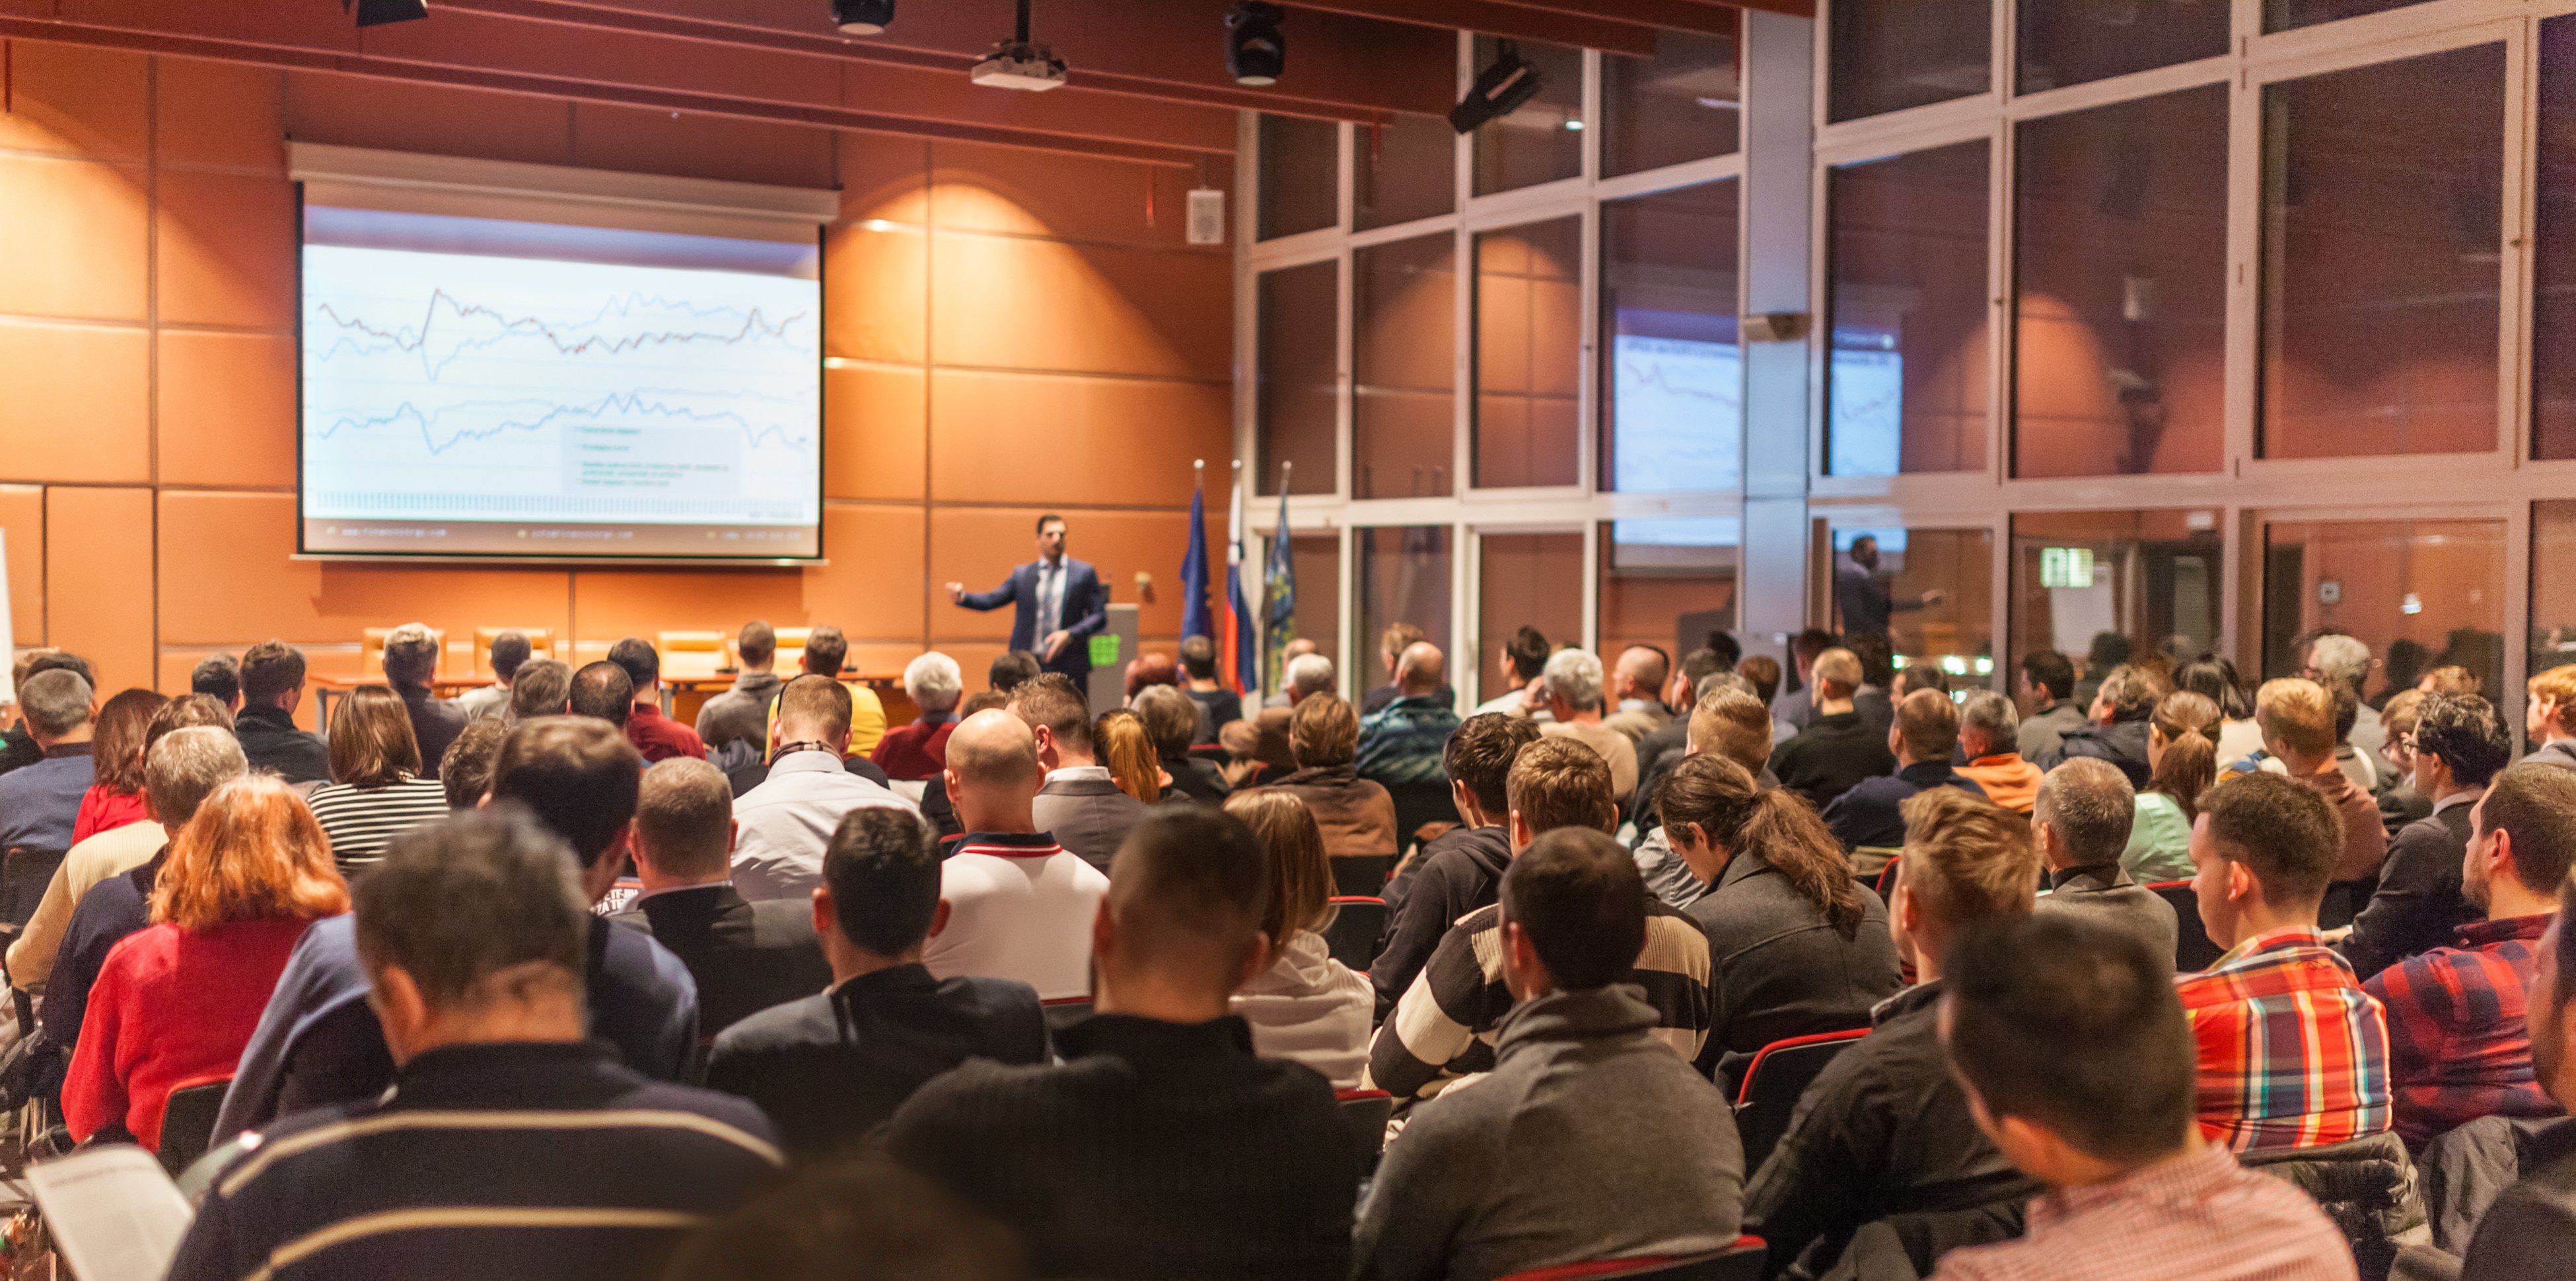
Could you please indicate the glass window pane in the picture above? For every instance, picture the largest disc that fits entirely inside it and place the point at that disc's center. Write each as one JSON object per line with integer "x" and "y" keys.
{"x": 1892, "y": 54}
{"x": 1907, "y": 387}
{"x": 2553, "y": 587}
{"x": 1929, "y": 592}
{"x": 2282, "y": 15}
{"x": 2437, "y": 584}
{"x": 1667, "y": 581}
{"x": 1543, "y": 141}
{"x": 2553, "y": 249}
{"x": 2120, "y": 288}
{"x": 1294, "y": 398}
{"x": 1529, "y": 353}
{"x": 1403, "y": 578}
{"x": 2382, "y": 229}
{"x": 2150, "y": 578}
{"x": 1317, "y": 561}
{"x": 1404, "y": 336}
{"x": 1682, "y": 104}
{"x": 1672, "y": 384}
{"x": 2068, "y": 42}
{"x": 1523, "y": 580}
{"x": 1405, "y": 170}
{"x": 1299, "y": 189}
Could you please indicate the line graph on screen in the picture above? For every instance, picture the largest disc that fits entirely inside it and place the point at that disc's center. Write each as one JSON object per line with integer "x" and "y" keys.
{"x": 455, "y": 385}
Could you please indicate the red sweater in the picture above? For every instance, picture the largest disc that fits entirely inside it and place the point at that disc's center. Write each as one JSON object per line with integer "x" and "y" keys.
{"x": 104, "y": 811}
{"x": 916, "y": 751}
{"x": 171, "y": 1008}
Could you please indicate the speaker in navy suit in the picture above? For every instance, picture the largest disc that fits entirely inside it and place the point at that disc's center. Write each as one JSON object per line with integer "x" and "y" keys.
{"x": 1059, "y": 605}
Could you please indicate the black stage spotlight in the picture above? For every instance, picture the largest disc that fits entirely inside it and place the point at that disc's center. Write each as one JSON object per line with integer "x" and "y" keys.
{"x": 1255, "y": 52}
{"x": 863, "y": 17}
{"x": 376, "y": 13}
{"x": 1499, "y": 90}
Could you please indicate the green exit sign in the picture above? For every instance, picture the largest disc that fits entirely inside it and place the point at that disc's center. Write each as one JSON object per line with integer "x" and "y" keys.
{"x": 2066, "y": 567}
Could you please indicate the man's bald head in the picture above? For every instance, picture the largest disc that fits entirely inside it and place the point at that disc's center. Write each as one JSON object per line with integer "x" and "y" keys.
{"x": 1419, "y": 669}
{"x": 994, "y": 749}
{"x": 1642, "y": 671}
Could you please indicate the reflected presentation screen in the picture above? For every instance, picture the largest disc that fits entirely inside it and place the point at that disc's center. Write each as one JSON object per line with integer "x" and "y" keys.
{"x": 482, "y": 387}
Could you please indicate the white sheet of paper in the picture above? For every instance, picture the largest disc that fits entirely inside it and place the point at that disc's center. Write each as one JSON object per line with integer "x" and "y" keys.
{"x": 115, "y": 1214}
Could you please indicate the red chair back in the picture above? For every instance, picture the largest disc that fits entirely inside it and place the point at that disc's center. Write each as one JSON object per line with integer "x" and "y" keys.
{"x": 1778, "y": 1074}
{"x": 1357, "y": 930}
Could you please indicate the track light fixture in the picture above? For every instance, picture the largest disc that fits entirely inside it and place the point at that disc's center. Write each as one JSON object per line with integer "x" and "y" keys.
{"x": 863, "y": 17}
{"x": 376, "y": 13}
{"x": 1255, "y": 52}
{"x": 1499, "y": 89}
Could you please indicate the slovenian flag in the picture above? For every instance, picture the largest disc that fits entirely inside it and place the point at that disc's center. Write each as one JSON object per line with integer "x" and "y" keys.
{"x": 1242, "y": 670}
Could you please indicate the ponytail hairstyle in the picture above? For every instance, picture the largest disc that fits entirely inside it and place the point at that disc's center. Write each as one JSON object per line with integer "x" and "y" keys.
{"x": 2189, "y": 723}
{"x": 1718, "y": 797}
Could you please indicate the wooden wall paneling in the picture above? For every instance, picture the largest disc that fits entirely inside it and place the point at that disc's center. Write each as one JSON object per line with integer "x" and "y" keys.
{"x": 1003, "y": 437}
{"x": 22, "y": 515}
{"x": 226, "y": 409}
{"x": 74, "y": 402}
{"x": 98, "y": 563}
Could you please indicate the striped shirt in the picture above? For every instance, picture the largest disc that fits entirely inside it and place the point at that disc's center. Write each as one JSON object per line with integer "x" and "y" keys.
{"x": 1443, "y": 1026}
{"x": 361, "y": 820}
{"x": 2293, "y": 1054}
{"x": 2194, "y": 1217}
{"x": 503, "y": 1162}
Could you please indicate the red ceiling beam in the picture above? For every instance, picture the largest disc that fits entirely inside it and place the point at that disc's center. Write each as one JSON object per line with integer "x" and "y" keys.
{"x": 1491, "y": 17}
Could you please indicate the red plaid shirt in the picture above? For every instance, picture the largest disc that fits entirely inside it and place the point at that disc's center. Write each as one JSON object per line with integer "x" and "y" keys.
{"x": 2292, "y": 1052}
{"x": 2457, "y": 1046}
{"x": 2198, "y": 1216}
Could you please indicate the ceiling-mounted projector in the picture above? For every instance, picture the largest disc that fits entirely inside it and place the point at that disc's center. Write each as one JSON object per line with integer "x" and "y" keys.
{"x": 1020, "y": 63}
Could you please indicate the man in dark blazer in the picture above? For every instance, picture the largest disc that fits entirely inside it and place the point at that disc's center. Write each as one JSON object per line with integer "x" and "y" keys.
{"x": 2460, "y": 745}
{"x": 1060, "y": 605}
{"x": 745, "y": 956}
{"x": 829, "y": 1067}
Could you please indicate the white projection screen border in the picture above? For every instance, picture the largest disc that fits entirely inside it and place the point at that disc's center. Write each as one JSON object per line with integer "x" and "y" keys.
{"x": 511, "y": 362}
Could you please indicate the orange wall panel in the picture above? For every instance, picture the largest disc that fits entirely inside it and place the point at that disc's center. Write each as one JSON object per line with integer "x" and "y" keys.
{"x": 227, "y": 250}
{"x": 72, "y": 100}
{"x": 219, "y": 113}
{"x": 22, "y": 517}
{"x": 74, "y": 403}
{"x": 98, "y": 553}
{"x": 358, "y": 111}
{"x": 982, "y": 187}
{"x": 1041, "y": 438}
{"x": 885, "y": 176}
{"x": 1006, "y": 302}
{"x": 612, "y": 603}
{"x": 873, "y": 589}
{"x": 640, "y": 140}
{"x": 876, "y": 294}
{"x": 874, "y": 426}
{"x": 76, "y": 239}
{"x": 227, "y": 409}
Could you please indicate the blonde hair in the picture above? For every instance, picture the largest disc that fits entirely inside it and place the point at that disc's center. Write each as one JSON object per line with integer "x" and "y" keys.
{"x": 1323, "y": 731}
{"x": 2300, "y": 713}
{"x": 1301, "y": 873}
{"x": 1967, "y": 859}
{"x": 252, "y": 853}
{"x": 2558, "y": 686}
{"x": 1128, "y": 750}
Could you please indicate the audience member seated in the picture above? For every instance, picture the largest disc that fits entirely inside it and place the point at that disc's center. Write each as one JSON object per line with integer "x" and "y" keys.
{"x": 744, "y": 956}
{"x": 2458, "y": 1047}
{"x": 1307, "y": 1007}
{"x": 1989, "y": 741}
{"x": 472, "y": 940}
{"x": 218, "y": 676}
{"x": 1302, "y": 677}
{"x": 857, "y": 1219}
{"x": 1877, "y": 674}
{"x": 1835, "y": 749}
{"x": 1663, "y": 745}
{"x": 1518, "y": 665}
{"x": 2400, "y": 804}
{"x": 1122, "y": 745}
{"x": 1795, "y": 709}
{"x": 543, "y": 688}
{"x": 1356, "y": 814}
{"x": 1588, "y": 1140}
{"x": 2297, "y": 717}
{"x": 2182, "y": 761}
{"x": 1461, "y": 870}
{"x": 831, "y": 1066}
{"x": 741, "y": 714}
{"x": 1727, "y": 722}
{"x": 411, "y": 664}
{"x": 39, "y": 803}
{"x": 1171, "y": 720}
{"x": 2456, "y": 746}
{"x": 175, "y": 1003}
{"x": 1884, "y": 1133}
{"x": 914, "y": 752}
{"x": 787, "y": 820}
{"x": 1572, "y": 687}
{"x": 2292, "y": 1052}
{"x": 2047, "y": 690}
{"x": 377, "y": 790}
{"x": 1797, "y": 946}
{"x": 1391, "y": 645}
{"x": 1080, "y": 806}
{"x": 825, "y": 652}
{"x": 1019, "y": 906}
{"x": 18, "y": 747}
{"x": 113, "y": 852}
{"x": 2530, "y": 1230}
{"x": 2081, "y": 821}
{"x": 602, "y": 691}
{"x": 186, "y": 767}
{"x": 2077, "y": 1064}
{"x": 2549, "y": 716}
{"x": 1400, "y": 742}
{"x": 1924, "y": 733}
{"x": 319, "y": 1042}
{"x": 1198, "y": 670}
{"x": 465, "y": 773}
{"x": 2115, "y": 730}
{"x": 272, "y": 681}
{"x": 2335, "y": 657}
{"x": 1161, "y": 1147}
{"x": 510, "y": 651}
{"x": 1009, "y": 668}
{"x": 655, "y": 735}
{"x": 115, "y": 795}
{"x": 1242, "y": 743}
{"x": 1636, "y": 692}
{"x": 1443, "y": 1026}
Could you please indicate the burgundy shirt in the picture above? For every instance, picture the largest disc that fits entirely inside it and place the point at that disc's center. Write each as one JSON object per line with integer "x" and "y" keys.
{"x": 916, "y": 751}
{"x": 659, "y": 737}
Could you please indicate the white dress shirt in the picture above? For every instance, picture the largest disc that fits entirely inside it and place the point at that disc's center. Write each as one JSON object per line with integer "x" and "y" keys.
{"x": 1019, "y": 907}
{"x": 788, "y": 819}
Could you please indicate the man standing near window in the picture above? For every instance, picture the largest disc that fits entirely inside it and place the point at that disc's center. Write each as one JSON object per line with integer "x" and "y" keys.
{"x": 1060, "y": 605}
{"x": 1863, "y": 597}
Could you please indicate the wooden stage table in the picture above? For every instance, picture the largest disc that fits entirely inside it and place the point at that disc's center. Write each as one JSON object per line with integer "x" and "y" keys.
{"x": 682, "y": 696}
